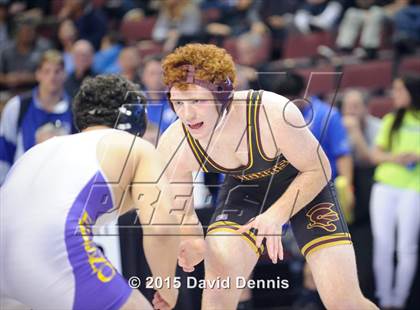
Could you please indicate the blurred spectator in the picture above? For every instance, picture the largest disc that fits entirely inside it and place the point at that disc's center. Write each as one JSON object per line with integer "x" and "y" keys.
{"x": 91, "y": 23}
{"x": 82, "y": 54}
{"x": 116, "y": 9}
{"x": 179, "y": 22}
{"x": 159, "y": 112}
{"x": 4, "y": 25}
{"x": 18, "y": 60}
{"x": 106, "y": 59}
{"x": 34, "y": 8}
{"x": 244, "y": 76}
{"x": 236, "y": 19}
{"x": 396, "y": 196}
{"x": 278, "y": 16}
{"x": 362, "y": 129}
{"x": 32, "y": 117}
{"x": 407, "y": 29}
{"x": 134, "y": 15}
{"x": 67, "y": 36}
{"x": 248, "y": 49}
{"x": 361, "y": 126}
{"x": 129, "y": 63}
{"x": 316, "y": 15}
{"x": 366, "y": 17}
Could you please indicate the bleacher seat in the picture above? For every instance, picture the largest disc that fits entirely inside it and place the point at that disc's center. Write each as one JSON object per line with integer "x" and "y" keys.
{"x": 320, "y": 80}
{"x": 379, "y": 106}
{"x": 305, "y": 45}
{"x": 133, "y": 31}
{"x": 372, "y": 75}
{"x": 409, "y": 64}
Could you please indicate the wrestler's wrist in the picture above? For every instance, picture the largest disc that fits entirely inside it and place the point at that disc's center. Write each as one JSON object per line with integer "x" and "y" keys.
{"x": 279, "y": 214}
{"x": 170, "y": 295}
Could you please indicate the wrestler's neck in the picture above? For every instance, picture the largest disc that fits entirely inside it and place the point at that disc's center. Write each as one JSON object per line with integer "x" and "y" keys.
{"x": 96, "y": 127}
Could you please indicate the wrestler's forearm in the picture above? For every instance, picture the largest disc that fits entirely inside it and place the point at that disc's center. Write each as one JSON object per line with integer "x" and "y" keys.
{"x": 162, "y": 253}
{"x": 304, "y": 188}
{"x": 191, "y": 227}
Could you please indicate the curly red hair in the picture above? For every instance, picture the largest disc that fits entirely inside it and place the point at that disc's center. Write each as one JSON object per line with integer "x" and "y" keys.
{"x": 211, "y": 63}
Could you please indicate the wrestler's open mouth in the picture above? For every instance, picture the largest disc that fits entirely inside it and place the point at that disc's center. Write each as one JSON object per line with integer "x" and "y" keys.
{"x": 196, "y": 125}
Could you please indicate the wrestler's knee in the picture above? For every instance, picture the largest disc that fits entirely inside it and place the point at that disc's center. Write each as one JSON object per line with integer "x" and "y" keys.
{"x": 228, "y": 255}
{"x": 217, "y": 259}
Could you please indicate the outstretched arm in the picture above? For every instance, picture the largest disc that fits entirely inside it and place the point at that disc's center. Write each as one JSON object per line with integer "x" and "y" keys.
{"x": 179, "y": 165}
{"x": 152, "y": 196}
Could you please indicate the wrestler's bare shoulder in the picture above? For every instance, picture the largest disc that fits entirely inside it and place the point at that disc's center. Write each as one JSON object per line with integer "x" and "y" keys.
{"x": 281, "y": 110}
{"x": 121, "y": 141}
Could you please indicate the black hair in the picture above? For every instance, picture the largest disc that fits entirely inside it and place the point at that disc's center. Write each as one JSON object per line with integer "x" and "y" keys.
{"x": 412, "y": 84}
{"x": 99, "y": 100}
{"x": 289, "y": 85}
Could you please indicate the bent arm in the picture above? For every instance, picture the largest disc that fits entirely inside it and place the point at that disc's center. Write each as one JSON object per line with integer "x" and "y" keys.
{"x": 178, "y": 168}
{"x": 302, "y": 150}
{"x": 379, "y": 156}
{"x": 152, "y": 196}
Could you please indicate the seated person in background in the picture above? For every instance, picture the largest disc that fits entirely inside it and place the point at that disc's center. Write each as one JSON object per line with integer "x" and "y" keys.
{"x": 25, "y": 115}
{"x": 278, "y": 16}
{"x": 318, "y": 15}
{"x": 406, "y": 35}
{"x": 366, "y": 18}
{"x": 179, "y": 22}
{"x": 91, "y": 22}
{"x": 237, "y": 19}
{"x": 19, "y": 60}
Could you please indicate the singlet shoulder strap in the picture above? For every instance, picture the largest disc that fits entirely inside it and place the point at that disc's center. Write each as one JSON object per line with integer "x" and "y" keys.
{"x": 205, "y": 161}
{"x": 256, "y": 136}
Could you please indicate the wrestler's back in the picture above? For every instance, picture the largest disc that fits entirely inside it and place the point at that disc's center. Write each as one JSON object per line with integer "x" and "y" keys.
{"x": 47, "y": 194}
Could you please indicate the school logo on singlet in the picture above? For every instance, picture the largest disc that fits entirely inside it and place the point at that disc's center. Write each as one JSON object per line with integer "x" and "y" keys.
{"x": 322, "y": 216}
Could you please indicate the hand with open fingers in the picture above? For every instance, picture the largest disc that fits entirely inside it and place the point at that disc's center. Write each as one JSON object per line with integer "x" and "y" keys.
{"x": 159, "y": 303}
{"x": 269, "y": 227}
{"x": 191, "y": 253}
